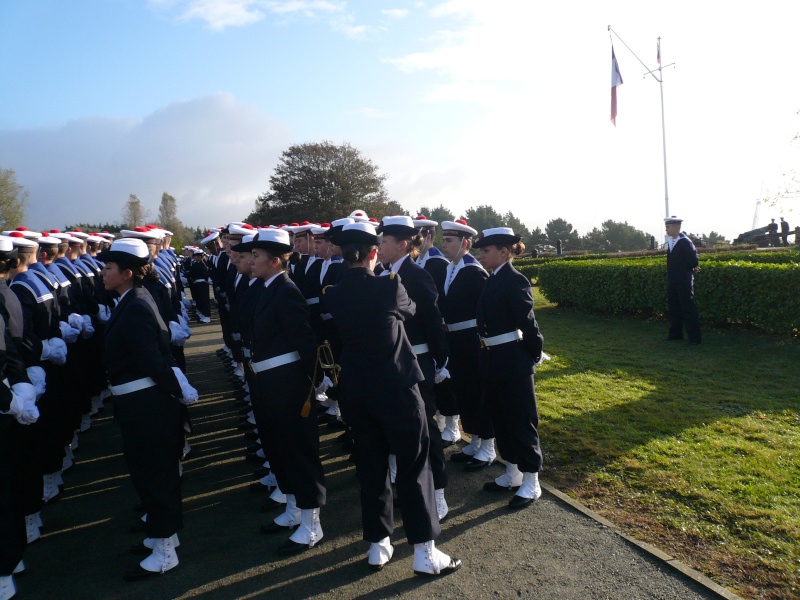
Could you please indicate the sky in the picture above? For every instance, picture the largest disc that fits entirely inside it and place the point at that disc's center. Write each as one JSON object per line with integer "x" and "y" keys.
{"x": 458, "y": 102}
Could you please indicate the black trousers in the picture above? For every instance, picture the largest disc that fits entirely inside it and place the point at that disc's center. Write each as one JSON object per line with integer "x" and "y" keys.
{"x": 465, "y": 372}
{"x": 392, "y": 422}
{"x": 516, "y": 422}
{"x": 202, "y": 300}
{"x": 682, "y": 311}
{"x": 290, "y": 440}
{"x": 152, "y": 442}
{"x": 13, "y": 538}
{"x": 435, "y": 449}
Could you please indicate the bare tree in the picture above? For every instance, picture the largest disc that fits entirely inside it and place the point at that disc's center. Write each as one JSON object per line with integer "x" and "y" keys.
{"x": 133, "y": 213}
{"x": 13, "y": 197}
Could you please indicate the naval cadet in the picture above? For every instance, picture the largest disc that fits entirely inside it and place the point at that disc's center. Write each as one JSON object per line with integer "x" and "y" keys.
{"x": 682, "y": 264}
{"x": 511, "y": 346}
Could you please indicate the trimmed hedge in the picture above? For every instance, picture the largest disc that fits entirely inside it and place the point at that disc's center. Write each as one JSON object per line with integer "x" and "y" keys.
{"x": 765, "y": 296}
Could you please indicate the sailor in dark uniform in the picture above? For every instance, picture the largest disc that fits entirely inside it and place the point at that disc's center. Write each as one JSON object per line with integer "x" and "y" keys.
{"x": 198, "y": 284}
{"x": 283, "y": 351}
{"x": 304, "y": 247}
{"x": 381, "y": 402}
{"x": 148, "y": 389}
{"x": 511, "y": 346}
{"x": 682, "y": 264}
{"x": 17, "y": 411}
{"x": 462, "y": 289}
{"x": 425, "y": 331}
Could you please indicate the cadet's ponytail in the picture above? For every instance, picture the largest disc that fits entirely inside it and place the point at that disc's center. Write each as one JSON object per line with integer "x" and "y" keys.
{"x": 356, "y": 253}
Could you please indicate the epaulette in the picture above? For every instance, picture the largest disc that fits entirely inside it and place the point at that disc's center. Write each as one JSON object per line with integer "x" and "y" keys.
{"x": 391, "y": 274}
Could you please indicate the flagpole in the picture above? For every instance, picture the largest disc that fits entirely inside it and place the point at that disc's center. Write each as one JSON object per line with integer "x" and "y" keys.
{"x": 659, "y": 78}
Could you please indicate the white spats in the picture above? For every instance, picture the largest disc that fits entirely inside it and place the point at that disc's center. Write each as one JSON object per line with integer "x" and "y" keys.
{"x": 163, "y": 557}
{"x": 511, "y": 478}
{"x": 150, "y": 542}
{"x": 486, "y": 451}
{"x": 310, "y": 530}
{"x": 50, "y": 487}
{"x": 441, "y": 504}
{"x": 451, "y": 431}
{"x": 473, "y": 447}
{"x": 32, "y": 528}
{"x": 530, "y": 487}
{"x": 291, "y": 516}
{"x": 7, "y": 587}
{"x": 393, "y": 467}
{"x": 429, "y": 560}
{"x": 380, "y": 553}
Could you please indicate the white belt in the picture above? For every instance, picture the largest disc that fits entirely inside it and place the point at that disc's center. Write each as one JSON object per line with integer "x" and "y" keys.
{"x": 420, "y": 349}
{"x": 312, "y": 300}
{"x": 246, "y": 352}
{"x": 237, "y": 337}
{"x": 461, "y": 325}
{"x": 199, "y": 281}
{"x": 326, "y": 316}
{"x": 503, "y": 338}
{"x": 132, "y": 386}
{"x": 275, "y": 361}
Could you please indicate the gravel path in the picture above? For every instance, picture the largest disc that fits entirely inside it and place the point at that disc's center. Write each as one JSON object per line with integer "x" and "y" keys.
{"x": 546, "y": 551}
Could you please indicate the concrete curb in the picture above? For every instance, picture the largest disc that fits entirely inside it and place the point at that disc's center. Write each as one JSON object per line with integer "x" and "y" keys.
{"x": 665, "y": 558}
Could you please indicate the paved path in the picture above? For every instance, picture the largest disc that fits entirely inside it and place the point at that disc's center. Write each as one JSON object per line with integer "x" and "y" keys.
{"x": 547, "y": 551}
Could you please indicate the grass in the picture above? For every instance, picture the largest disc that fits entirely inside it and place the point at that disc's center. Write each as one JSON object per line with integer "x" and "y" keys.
{"x": 693, "y": 449}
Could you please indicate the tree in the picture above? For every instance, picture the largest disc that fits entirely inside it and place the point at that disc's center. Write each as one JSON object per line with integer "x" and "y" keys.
{"x": 537, "y": 237}
{"x": 323, "y": 182}
{"x": 559, "y": 229}
{"x": 13, "y": 198}
{"x": 616, "y": 237}
{"x": 133, "y": 213}
{"x": 714, "y": 238}
{"x": 438, "y": 214}
{"x": 168, "y": 213}
{"x": 483, "y": 217}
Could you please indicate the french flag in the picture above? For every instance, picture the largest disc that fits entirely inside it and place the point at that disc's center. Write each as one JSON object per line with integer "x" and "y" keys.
{"x": 616, "y": 79}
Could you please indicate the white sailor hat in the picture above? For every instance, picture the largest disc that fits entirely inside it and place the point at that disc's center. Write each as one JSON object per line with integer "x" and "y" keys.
{"x": 7, "y": 248}
{"x": 49, "y": 240}
{"x": 197, "y": 251}
{"x": 304, "y": 227}
{"x": 141, "y": 233}
{"x": 320, "y": 229}
{"x": 458, "y": 228}
{"x": 356, "y": 233}
{"x": 78, "y": 234}
{"x": 337, "y": 225}
{"x": 675, "y": 220}
{"x": 106, "y": 234}
{"x": 241, "y": 229}
{"x": 274, "y": 241}
{"x": 126, "y": 251}
{"x": 400, "y": 226}
{"x": 65, "y": 237}
{"x": 212, "y": 235}
{"x": 95, "y": 239}
{"x": 246, "y": 245}
{"x": 497, "y": 236}
{"x": 31, "y": 235}
{"x": 359, "y": 216}
{"x": 22, "y": 243}
{"x": 423, "y": 221}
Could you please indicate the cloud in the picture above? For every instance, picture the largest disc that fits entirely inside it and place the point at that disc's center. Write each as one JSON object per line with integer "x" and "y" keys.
{"x": 213, "y": 154}
{"x": 396, "y": 13}
{"x": 220, "y": 14}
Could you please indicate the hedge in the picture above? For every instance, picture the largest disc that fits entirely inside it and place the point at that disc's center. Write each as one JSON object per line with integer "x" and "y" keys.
{"x": 760, "y": 295}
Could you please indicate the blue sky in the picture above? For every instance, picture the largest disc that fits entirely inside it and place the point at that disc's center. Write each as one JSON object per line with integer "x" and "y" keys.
{"x": 460, "y": 102}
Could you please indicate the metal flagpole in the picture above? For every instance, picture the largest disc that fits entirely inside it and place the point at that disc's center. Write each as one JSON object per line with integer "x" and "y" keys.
{"x": 659, "y": 78}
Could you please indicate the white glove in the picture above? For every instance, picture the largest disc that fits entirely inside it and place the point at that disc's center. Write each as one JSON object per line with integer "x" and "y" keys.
{"x": 324, "y": 386}
{"x": 177, "y": 334}
{"x": 190, "y": 395}
{"x": 75, "y": 320}
{"x": 184, "y": 312}
{"x": 185, "y": 324}
{"x": 184, "y": 281}
{"x": 441, "y": 375}
{"x": 104, "y": 314}
{"x": 38, "y": 379}
{"x": 88, "y": 328}
{"x": 23, "y": 403}
{"x": 69, "y": 333}
{"x": 54, "y": 350}
{"x": 186, "y": 303}
{"x": 542, "y": 358}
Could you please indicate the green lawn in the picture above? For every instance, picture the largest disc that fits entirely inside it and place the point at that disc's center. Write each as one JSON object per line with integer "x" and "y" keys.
{"x": 694, "y": 449}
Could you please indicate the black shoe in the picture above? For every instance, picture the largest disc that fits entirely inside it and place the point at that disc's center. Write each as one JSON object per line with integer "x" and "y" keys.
{"x": 260, "y": 472}
{"x": 477, "y": 465}
{"x": 221, "y": 353}
{"x": 139, "y": 508}
{"x": 138, "y": 527}
{"x": 138, "y": 573}
{"x": 455, "y": 565}
{"x": 518, "y": 502}
{"x": 336, "y": 425}
{"x": 261, "y": 488}
{"x": 254, "y": 458}
{"x": 447, "y": 444}
{"x": 251, "y": 436}
{"x": 240, "y": 395}
{"x": 271, "y": 505}
{"x": 461, "y": 457}
{"x": 326, "y": 418}
{"x": 273, "y": 527}
{"x": 290, "y": 548}
{"x": 247, "y": 426}
{"x": 348, "y": 446}
{"x": 492, "y": 486}
{"x": 343, "y": 437}
{"x": 253, "y": 448}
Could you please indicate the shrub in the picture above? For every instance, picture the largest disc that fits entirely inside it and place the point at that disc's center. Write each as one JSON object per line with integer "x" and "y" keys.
{"x": 760, "y": 295}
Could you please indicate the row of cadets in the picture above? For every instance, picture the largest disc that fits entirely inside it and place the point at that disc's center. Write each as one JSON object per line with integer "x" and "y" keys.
{"x": 41, "y": 455}
{"x": 511, "y": 347}
{"x": 149, "y": 391}
{"x": 399, "y": 243}
{"x": 18, "y": 412}
{"x": 463, "y": 285}
{"x": 301, "y": 238}
{"x": 380, "y": 401}
{"x": 219, "y": 278}
{"x": 197, "y": 276}
{"x": 283, "y": 355}
{"x": 236, "y": 231}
